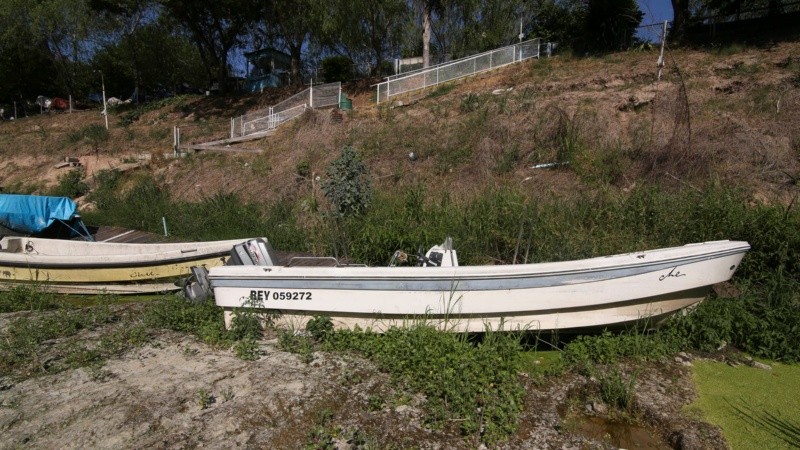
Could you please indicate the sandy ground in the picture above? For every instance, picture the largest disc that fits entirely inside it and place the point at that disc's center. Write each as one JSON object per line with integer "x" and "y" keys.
{"x": 176, "y": 392}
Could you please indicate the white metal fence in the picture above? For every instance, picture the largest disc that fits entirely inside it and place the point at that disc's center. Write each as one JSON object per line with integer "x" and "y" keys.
{"x": 318, "y": 96}
{"x": 431, "y": 76}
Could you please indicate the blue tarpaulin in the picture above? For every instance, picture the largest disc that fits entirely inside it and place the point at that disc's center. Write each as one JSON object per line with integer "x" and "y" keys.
{"x": 34, "y": 213}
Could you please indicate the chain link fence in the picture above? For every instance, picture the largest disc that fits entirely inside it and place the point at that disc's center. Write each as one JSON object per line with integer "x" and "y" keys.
{"x": 431, "y": 76}
{"x": 319, "y": 96}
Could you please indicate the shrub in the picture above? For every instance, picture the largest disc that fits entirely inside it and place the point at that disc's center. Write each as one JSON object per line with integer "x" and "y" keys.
{"x": 347, "y": 185}
{"x": 71, "y": 184}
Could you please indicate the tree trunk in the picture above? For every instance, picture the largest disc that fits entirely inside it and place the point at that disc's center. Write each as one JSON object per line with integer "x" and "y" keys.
{"x": 296, "y": 52}
{"x": 680, "y": 21}
{"x": 426, "y": 33}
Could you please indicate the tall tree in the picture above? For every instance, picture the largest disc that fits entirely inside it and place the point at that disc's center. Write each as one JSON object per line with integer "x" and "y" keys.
{"x": 289, "y": 26}
{"x": 26, "y": 64}
{"x": 164, "y": 61}
{"x": 367, "y": 30}
{"x": 426, "y": 8}
{"x": 123, "y": 20}
{"x": 611, "y": 24}
{"x": 216, "y": 27}
{"x": 67, "y": 26}
{"x": 680, "y": 20}
{"x": 557, "y": 20}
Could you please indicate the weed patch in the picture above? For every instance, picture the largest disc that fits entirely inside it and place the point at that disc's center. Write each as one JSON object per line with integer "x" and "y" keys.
{"x": 44, "y": 343}
{"x": 472, "y": 383}
{"x": 27, "y": 298}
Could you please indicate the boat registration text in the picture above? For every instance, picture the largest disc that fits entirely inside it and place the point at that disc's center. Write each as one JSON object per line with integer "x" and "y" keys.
{"x": 259, "y": 295}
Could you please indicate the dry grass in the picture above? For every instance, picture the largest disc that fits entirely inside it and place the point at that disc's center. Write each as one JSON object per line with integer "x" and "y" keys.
{"x": 724, "y": 116}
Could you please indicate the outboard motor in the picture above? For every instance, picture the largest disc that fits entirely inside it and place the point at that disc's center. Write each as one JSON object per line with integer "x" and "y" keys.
{"x": 255, "y": 252}
{"x": 197, "y": 288}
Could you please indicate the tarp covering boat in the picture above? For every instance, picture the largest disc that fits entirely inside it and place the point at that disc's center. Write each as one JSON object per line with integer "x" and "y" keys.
{"x": 34, "y": 213}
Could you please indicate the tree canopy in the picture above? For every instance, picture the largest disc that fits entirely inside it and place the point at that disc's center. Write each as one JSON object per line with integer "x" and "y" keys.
{"x": 57, "y": 47}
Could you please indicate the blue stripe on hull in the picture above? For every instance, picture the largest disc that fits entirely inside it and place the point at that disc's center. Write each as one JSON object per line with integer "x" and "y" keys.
{"x": 283, "y": 280}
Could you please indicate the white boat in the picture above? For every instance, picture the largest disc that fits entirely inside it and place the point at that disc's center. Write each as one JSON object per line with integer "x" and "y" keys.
{"x": 83, "y": 267}
{"x": 596, "y": 292}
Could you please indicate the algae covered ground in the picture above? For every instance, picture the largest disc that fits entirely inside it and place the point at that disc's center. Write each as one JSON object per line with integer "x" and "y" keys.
{"x": 755, "y": 408}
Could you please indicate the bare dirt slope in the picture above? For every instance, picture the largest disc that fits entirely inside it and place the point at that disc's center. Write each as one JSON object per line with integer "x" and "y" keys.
{"x": 727, "y": 116}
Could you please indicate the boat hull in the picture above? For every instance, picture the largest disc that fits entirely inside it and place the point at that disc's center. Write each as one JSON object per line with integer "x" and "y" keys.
{"x": 575, "y": 294}
{"x": 77, "y": 267}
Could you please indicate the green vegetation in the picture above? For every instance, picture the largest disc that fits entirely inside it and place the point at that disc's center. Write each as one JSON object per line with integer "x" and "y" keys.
{"x": 28, "y": 298}
{"x": 762, "y": 319}
{"x": 71, "y": 184}
{"x": 616, "y": 390}
{"x": 49, "y": 342}
{"x": 472, "y": 383}
{"x": 347, "y": 185}
{"x": 755, "y": 408}
{"x": 468, "y": 381}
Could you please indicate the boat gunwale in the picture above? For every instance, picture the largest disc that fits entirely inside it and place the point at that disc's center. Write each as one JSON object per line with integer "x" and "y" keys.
{"x": 45, "y": 265}
{"x": 500, "y": 271}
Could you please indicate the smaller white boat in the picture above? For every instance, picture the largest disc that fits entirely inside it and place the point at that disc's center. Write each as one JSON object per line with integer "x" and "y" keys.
{"x": 596, "y": 292}
{"x": 64, "y": 256}
{"x": 84, "y": 267}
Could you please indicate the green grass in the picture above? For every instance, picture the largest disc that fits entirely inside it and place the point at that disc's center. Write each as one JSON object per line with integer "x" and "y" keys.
{"x": 755, "y": 408}
{"x": 540, "y": 362}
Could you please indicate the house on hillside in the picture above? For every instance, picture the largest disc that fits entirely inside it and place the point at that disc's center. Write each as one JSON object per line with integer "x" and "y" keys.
{"x": 266, "y": 68}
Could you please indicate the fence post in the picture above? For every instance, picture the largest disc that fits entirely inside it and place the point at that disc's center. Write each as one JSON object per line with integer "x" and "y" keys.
{"x": 311, "y": 94}
{"x": 176, "y": 139}
{"x": 233, "y": 121}
{"x": 660, "y": 62}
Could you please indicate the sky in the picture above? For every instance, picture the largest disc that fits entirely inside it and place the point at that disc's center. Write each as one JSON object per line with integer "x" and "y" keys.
{"x": 655, "y": 12}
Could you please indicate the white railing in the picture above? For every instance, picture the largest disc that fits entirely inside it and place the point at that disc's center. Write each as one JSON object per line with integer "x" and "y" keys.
{"x": 470, "y": 65}
{"x": 318, "y": 96}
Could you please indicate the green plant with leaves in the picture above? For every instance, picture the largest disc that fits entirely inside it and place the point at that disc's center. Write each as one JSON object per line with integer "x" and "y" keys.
{"x": 246, "y": 349}
{"x": 319, "y": 327}
{"x": 204, "y": 398}
{"x": 28, "y": 298}
{"x": 71, "y": 184}
{"x": 617, "y": 391}
{"x": 204, "y": 320}
{"x": 473, "y": 383}
{"x": 97, "y": 135}
{"x": 301, "y": 345}
{"x": 347, "y": 185}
